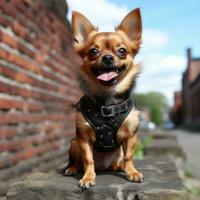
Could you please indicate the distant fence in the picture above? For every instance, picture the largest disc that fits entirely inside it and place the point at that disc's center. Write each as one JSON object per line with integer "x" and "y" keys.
{"x": 37, "y": 85}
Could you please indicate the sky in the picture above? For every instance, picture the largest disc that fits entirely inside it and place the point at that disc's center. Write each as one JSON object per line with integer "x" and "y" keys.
{"x": 169, "y": 27}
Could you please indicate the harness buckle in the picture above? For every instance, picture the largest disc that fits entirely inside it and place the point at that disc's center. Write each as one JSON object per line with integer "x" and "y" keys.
{"x": 108, "y": 111}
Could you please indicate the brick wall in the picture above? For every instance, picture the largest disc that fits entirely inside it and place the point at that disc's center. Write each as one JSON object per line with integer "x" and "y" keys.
{"x": 37, "y": 85}
{"x": 191, "y": 92}
{"x": 177, "y": 109}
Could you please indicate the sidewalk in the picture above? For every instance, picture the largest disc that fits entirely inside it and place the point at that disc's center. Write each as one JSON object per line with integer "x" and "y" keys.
{"x": 190, "y": 143}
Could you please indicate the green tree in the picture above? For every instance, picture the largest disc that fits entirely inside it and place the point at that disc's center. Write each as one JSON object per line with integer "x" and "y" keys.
{"x": 155, "y": 102}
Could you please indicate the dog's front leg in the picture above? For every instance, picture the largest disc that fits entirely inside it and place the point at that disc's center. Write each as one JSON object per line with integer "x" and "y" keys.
{"x": 87, "y": 155}
{"x": 128, "y": 148}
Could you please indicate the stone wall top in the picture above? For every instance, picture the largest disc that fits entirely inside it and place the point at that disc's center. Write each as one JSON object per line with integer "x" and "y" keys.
{"x": 161, "y": 182}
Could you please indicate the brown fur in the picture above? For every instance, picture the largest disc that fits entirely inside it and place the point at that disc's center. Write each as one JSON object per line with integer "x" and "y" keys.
{"x": 128, "y": 36}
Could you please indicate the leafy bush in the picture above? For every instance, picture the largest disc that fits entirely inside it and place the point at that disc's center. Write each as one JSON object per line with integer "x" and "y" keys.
{"x": 155, "y": 102}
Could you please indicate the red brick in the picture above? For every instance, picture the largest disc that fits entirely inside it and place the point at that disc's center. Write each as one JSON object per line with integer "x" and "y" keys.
{"x": 19, "y": 5}
{"x": 8, "y": 8}
{"x": 4, "y": 21}
{"x": 16, "y": 145}
{"x": 11, "y": 41}
{"x": 13, "y": 118}
{"x": 14, "y": 43}
{"x": 22, "y": 120}
{"x": 19, "y": 29}
{"x": 14, "y": 90}
{"x": 7, "y": 132}
{"x": 7, "y": 104}
{"x": 31, "y": 106}
{"x": 26, "y": 64}
{"x": 24, "y": 78}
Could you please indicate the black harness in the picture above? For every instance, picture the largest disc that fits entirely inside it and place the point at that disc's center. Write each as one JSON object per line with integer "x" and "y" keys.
{"x": 105, "y": 120}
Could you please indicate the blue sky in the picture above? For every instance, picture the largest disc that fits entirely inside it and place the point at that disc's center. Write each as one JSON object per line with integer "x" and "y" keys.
{"x": 169, "y": 28}
{"x": 178, "y": 18}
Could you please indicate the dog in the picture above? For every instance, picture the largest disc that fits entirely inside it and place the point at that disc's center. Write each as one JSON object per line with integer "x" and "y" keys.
{"x": 106, "y": 118}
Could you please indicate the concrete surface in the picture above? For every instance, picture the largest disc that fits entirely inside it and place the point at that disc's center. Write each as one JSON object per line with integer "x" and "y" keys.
{"x": 190, "y": 143}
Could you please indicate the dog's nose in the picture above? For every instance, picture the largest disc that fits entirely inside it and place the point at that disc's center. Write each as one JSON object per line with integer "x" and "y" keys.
{"x": 108, "y": 60}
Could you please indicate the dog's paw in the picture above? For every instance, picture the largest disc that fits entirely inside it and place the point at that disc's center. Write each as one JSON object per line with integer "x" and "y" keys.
{"x": 71, "y": 171}
{"x": 135, "y": 177}
{"x": 85, "y": 183}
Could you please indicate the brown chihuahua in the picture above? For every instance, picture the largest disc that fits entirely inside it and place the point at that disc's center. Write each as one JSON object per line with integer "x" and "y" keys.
{"x": 106, "y": 119}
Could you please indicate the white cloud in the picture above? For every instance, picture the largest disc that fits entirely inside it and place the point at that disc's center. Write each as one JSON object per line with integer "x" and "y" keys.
{"x": 155, "y": 63}
{"x": 161, "y": 73}
{"x": 101, "y": 13}
{"x": 154, "y": 39}
{"x": 107, "y": 15}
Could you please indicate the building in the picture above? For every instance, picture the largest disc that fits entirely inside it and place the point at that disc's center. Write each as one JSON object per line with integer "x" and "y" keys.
{"x": 191, "y": 91}
{"x": 37, "y": 86}
{"x": 177, "y": 110}
{"x": 186, "y": 109}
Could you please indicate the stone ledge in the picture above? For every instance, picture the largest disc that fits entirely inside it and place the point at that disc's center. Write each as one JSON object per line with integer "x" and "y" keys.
{"x": 161, "y": 182}
{"x": 164, "y": 147}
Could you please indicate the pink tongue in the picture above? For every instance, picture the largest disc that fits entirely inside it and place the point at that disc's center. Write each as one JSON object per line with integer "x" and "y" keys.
{"x": 107, "y": 76}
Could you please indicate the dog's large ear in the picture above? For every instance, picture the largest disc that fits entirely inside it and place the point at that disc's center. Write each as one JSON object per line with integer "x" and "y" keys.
{"x": 131, "y": 25}
{"x": 81, "y": 28}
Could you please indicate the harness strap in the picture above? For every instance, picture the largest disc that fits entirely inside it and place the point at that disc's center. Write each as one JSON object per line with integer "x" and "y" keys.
{"x": 112, "y": 110}
{"x": 105, "y": 120}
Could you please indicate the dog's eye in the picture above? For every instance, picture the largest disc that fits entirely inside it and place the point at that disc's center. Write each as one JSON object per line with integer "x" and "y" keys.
{"x": 122, "y": 52}
{"x": 93, "y": 53}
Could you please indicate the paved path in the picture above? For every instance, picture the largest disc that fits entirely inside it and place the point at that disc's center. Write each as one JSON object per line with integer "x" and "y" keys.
{"x": 191, "y": 146}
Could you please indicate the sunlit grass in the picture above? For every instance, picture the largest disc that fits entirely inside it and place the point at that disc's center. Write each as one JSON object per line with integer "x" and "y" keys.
{"x": 140, "y": 145}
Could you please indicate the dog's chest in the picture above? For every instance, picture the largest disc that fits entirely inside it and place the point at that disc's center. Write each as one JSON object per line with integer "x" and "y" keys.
{"x": 103, "y": 161}
{"x": 105, "y": 126}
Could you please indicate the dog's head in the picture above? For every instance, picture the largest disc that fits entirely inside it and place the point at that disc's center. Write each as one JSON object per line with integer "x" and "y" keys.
{"x": 108, "y": 56}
